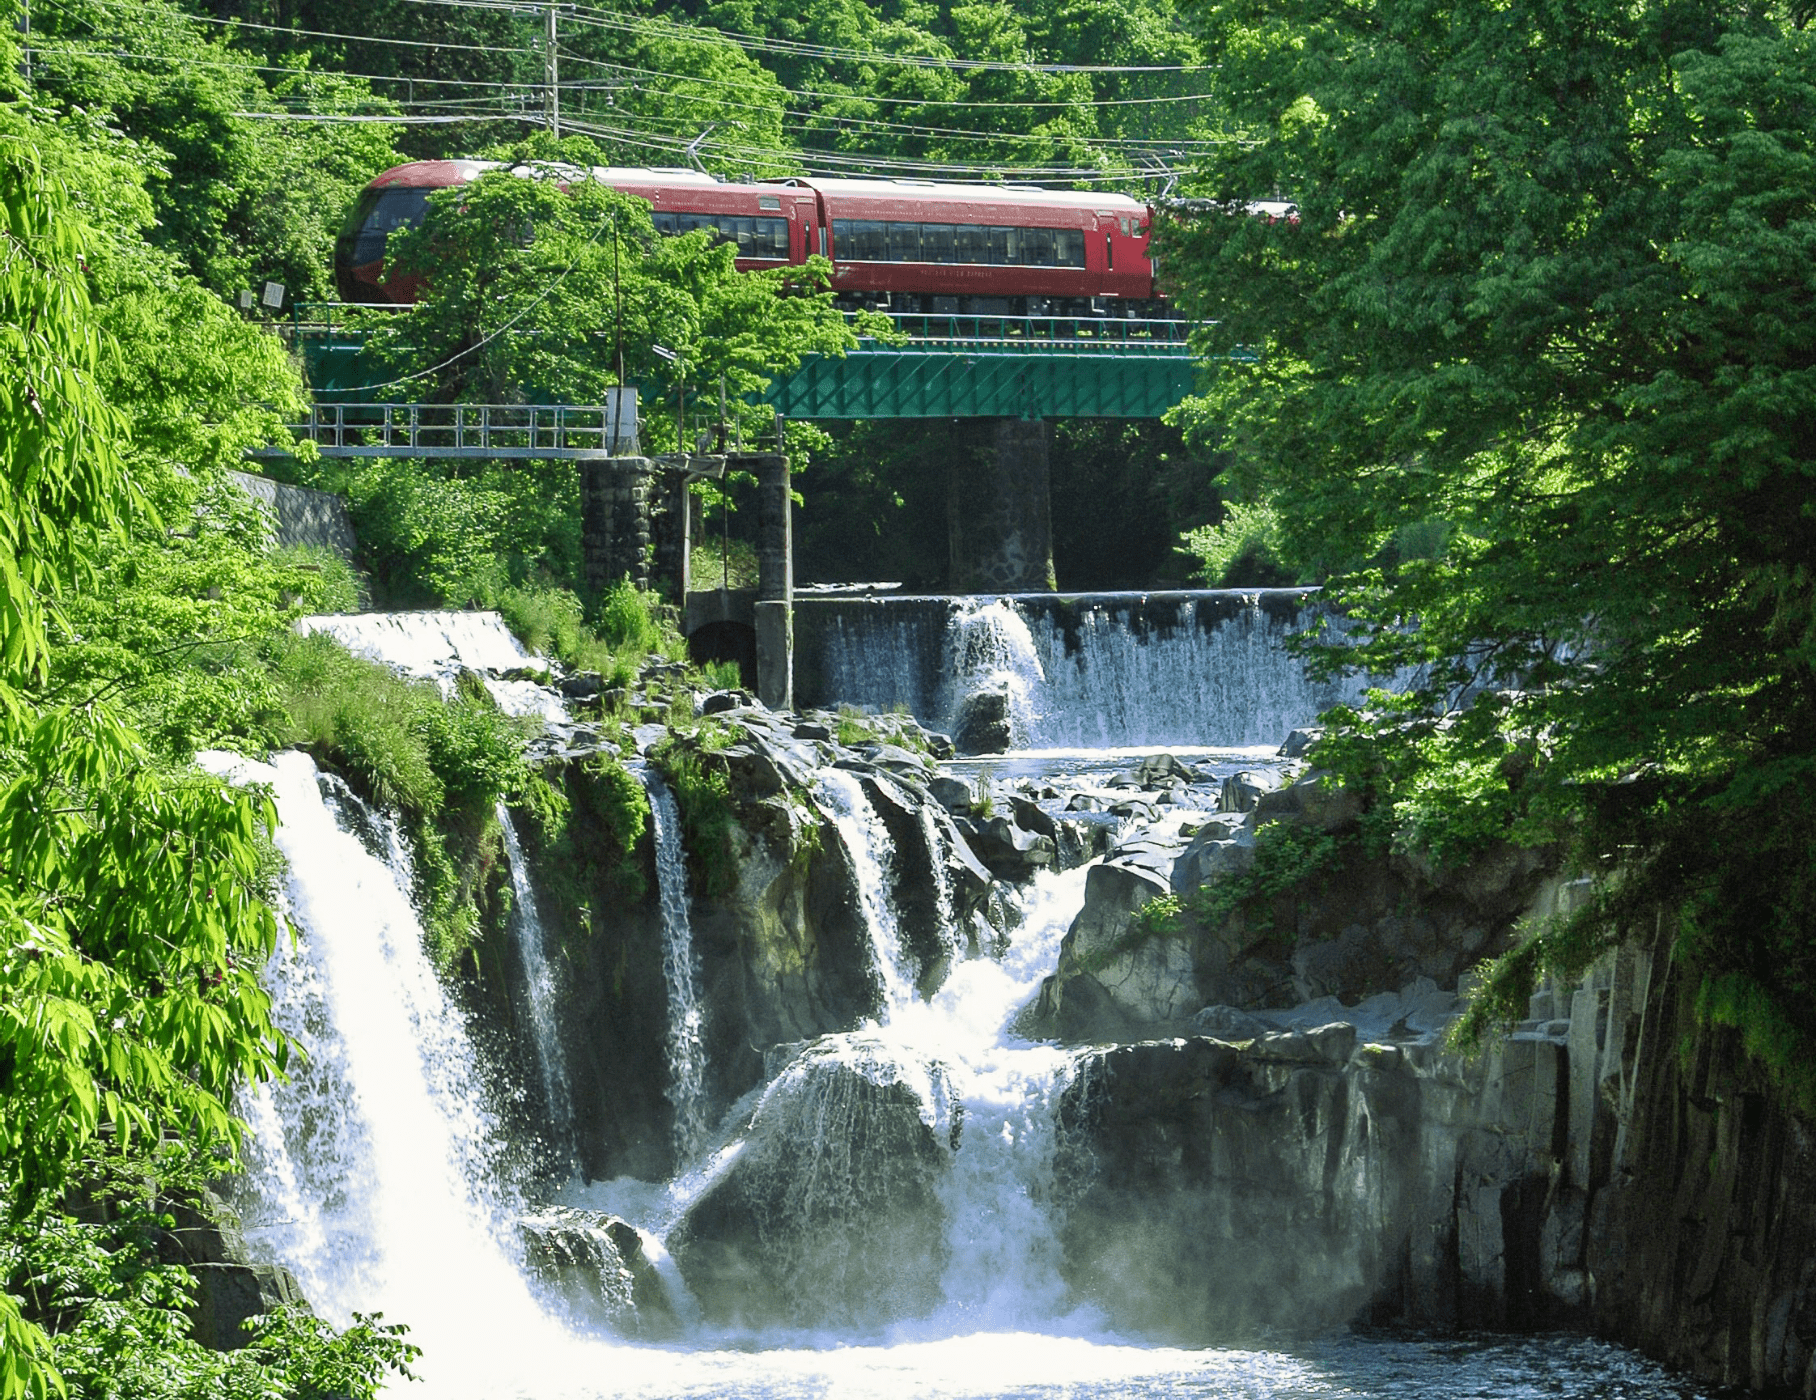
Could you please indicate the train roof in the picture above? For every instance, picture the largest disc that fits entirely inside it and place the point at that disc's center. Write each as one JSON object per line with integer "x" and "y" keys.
{"x": 965, "y": 193}
{"x": 450, "y": 172}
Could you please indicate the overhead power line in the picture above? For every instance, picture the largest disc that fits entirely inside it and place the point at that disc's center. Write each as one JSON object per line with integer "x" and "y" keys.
{"x": 898, "y": 101}
{"x": 329, "y": 34}
{"x": 794, "y": 48}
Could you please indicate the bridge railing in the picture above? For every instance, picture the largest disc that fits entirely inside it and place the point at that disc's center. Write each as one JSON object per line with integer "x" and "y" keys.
{"x": 1070, "y": 334}
{"x": 474, "y": 429}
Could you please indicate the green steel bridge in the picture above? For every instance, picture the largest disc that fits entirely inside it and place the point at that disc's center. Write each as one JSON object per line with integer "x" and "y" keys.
{"x": 934, "y": 366}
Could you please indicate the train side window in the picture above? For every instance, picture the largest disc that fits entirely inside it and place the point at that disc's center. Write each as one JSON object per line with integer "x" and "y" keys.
{"x": 904, "y": 242}
{"x": 971, "y": 244}
{"x": 939, "y": 243}
{"x": 1005, "y": 246}
{"x": 1069, "y": 247}
{"x": 667, "y": 224}
{"x": 1037, "y": 247}
{"x": 861, "y": 240}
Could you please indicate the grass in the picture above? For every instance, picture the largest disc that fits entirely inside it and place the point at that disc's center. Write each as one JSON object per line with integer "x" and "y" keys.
{"x": 626, "y": 629}
{"x": 737, "y": 568}
{"x": 441, "y": 763}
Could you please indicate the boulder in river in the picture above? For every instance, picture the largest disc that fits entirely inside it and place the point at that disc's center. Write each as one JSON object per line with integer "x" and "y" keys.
{"x": 827, "y": 1214}
{"x": 983, "y": 723}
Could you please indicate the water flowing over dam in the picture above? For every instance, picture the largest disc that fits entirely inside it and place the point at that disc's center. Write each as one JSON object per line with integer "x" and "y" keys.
{"x": 1103, "y": 670}
{"x": 888, "y": 1172}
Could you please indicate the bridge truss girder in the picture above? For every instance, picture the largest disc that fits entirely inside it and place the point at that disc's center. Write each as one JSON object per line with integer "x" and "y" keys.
{"x": 947, "y": 383}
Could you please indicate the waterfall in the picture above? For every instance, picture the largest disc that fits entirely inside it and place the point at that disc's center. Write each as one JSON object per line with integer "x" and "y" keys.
{"x": 989, "y": 647}
{"x": 1207, "y": 668}
{"x": 872, "y": 854}
{"x": 1003, "y": 1254}
{"x": 539, "y": 984}
{"x": 372, "y": 1170}
{"x": 686, "y": 1013}
{"x": 1215, "y": 680}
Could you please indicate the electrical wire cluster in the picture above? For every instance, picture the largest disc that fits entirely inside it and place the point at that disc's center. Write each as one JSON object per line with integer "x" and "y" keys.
{"x": 623, "y": 102}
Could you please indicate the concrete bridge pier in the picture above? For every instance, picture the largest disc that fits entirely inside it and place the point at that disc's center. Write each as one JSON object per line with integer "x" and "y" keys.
{"x": 999, "y": 512}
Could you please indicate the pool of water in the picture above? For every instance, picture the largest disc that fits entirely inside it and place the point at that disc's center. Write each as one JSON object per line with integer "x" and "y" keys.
{"x": 1011, "y": 1366}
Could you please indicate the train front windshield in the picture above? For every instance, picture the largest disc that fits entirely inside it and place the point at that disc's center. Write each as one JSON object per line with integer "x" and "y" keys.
{"x": 375, "y": 217}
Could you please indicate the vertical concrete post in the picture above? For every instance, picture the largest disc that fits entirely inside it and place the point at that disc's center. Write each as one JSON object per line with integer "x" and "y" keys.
{"x": 669, "y": 541}
{"x": 615, "y": 521}
{"x": 775, "y": 582}
{"x": 999, "y": 512}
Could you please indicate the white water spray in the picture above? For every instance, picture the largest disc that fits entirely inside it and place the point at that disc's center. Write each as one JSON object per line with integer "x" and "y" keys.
{"x": 373, "y": 1174}
{"x": 680, "y": 969}
{"x": 989, "y": 647}
{"x": 438, "y": 646}
{"x": 539, "y": 984}
{"x": 872, "y": 854}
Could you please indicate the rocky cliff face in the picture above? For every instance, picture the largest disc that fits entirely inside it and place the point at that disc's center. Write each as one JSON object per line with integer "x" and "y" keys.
{"x": 1362, "y": 923}
{"x": 780, "y": 937}
{"x": 1608, "y": 1165}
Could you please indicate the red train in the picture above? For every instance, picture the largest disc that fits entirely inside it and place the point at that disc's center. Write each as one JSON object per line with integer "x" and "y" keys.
{"x": 902, "y": 245}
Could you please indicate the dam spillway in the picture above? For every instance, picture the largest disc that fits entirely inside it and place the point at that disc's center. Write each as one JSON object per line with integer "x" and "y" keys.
{"x": 1199, "y": 668}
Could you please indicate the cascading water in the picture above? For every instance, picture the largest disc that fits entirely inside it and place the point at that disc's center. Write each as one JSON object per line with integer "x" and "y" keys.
{"x": 372, "y": 1176}
{"x": 438, "y": 646}
{"x": 539, "y": 984}
{"x": 1003, "y": 1253}
{"x": 373, "y": 1171}
{"x": 686, "y": 1013}
{"x": 989, "y": 648}
{"x": 1229, "y": 685}
{"x": 1206, "y": 669}
{"x": 871, "y": 852}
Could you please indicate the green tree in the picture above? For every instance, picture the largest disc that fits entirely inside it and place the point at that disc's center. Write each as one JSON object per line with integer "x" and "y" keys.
{"x": 1548, "y": 302}
{"x": 133, "y": 922}
{"x": 241, "y": 195}
{"x": 536, "y": 286}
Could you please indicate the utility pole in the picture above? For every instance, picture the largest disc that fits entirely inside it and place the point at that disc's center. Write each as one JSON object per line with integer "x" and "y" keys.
{"x": 552, "y": 102}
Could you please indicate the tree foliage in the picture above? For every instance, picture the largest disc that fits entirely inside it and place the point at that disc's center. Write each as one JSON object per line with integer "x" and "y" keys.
{"x": 133, "y": 918}
{"x": 1534, "y": 391}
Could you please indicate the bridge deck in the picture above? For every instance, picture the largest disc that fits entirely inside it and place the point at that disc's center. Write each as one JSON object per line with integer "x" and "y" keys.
{"x": 927, "y": 366}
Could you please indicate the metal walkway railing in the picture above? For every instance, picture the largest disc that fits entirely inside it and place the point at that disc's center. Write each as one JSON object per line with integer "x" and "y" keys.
{"x": 1034, "y": 335}
{"x": 477, "y": 430}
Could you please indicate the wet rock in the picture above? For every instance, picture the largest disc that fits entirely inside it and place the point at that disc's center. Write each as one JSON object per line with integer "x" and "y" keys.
{"x": 582, "y": 685}
{"x": 1299, "y": 742}
{"x": 1029, "y": 817}
{"x": 1218, "y": 848}
{"x": 597, "y": 1265}
{"x": 722, "y": 700}
{"x": 1161, "y": 768}
{"x": 1241, "y": 792}
{"x": 1111, "y": 979}
{"x": 205, "y": 1236}
{"x": 1312, "y": 800}
{"x": 829, "y": 1216}
{"x": 1228, "y": 1023}
{"x": 808, "y": 729}
{"x": 895, "y": 758}
{"x": 939, "y": 745}
{"x": 1011, "y": 852}
{"x": 983, "y": 723}
{"x": 957, "y": 795}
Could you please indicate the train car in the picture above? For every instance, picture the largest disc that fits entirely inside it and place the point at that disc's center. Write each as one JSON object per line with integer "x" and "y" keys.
{"x": 905, "y": 245}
